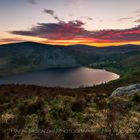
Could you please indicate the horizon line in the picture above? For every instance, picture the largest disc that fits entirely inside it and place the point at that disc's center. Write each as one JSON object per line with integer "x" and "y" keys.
{"x": 66, "y": 45}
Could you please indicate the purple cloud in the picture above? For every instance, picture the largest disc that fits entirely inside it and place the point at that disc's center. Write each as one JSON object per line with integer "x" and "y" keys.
{"x": 75, "y": 30}
{"x": 48, "y": 11}
{"x": 52, "y": 13}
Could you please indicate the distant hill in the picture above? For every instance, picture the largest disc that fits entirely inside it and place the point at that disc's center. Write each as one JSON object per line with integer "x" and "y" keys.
{"x": 115, "y": 58}
{"x": 30, "y": 56}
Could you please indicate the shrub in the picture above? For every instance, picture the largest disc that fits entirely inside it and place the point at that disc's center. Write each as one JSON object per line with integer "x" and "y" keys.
{"x": 136, "y": 98}
{"x": 31, "y": 108}
{"x": 79, "y": 105}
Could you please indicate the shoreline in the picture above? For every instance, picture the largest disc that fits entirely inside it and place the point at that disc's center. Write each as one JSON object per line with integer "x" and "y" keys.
{"x": 83, "y": 85}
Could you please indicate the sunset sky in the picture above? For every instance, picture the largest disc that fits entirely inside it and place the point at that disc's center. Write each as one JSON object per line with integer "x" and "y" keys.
{"x": 67, "y": 22}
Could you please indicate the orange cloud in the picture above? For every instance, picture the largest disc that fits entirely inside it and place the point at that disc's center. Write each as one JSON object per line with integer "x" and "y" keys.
{"x": 73, "y": 32}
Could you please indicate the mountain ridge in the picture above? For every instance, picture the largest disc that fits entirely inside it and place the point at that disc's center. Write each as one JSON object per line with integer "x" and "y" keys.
{"x": 110, "y": 46}
{"x": 30, "y": 56}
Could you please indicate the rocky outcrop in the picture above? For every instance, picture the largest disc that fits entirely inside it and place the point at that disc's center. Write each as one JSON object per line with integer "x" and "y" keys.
{"x": 127, "y": 90}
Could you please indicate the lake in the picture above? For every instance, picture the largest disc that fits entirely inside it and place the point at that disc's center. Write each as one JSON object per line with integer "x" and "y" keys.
{"x": 62, "y": 77}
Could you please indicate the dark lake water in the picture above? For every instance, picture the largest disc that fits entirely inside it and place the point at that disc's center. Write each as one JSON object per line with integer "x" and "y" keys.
{"x": 65, "y": 77}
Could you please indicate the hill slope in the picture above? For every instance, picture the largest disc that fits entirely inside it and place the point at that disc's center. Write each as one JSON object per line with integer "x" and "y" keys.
{"x": 31, "y": 112}
{"x": 29, "y": 56}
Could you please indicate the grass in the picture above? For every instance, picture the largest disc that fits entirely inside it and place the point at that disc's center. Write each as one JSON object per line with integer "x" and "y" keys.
{"x": 32, "y": 109}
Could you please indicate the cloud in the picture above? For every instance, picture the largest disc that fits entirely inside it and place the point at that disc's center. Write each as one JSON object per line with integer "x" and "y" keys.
{"x": 48, "y": 11}
{"x": 52, "y": 13}
{"x": 132, "y": 34}
{"x": 5, "y": 40}
{"x": 86, "y": 17}
{"x": 138, "y": 21}
{"x": 137, "y": 11}
{"x": 54, "y": 31}
{"x": 124, "y": 18}
{"x": 89, "y": 18}
{"x": 70, "y": 15}
{"x": 31, "y": 1}
{"x": 75, "y": 30}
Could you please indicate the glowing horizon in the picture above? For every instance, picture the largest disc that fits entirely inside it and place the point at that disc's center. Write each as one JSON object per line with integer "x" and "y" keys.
{"x": 69, "y": 22}
{"x": 76, "y": 42}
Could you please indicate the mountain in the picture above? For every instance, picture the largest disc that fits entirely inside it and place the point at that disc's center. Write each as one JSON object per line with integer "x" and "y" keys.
{"x": 30, "y": 56}
{"x": 116, "y": 58}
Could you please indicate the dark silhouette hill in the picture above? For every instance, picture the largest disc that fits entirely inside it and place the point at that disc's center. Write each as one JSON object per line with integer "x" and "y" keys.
{"x": 31, "y": 56}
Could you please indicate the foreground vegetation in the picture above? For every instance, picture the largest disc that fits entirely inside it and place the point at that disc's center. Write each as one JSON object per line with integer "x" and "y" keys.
{"x": 31, "y": 112}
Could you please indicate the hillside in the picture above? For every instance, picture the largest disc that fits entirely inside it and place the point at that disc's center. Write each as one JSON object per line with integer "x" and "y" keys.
{"x": 43, "y": 113}
{"x": 30, "y": 56}
{"x": 120, "y": 59}
{"x": 31, "y": 112}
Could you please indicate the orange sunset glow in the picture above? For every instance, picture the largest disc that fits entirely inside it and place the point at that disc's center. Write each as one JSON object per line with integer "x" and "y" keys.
{"x": 82, "y": 41}
{"x": 80, "y": 23}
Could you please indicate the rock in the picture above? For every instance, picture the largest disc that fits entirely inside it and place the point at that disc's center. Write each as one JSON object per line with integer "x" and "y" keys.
{"x": 127, "y": 90}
